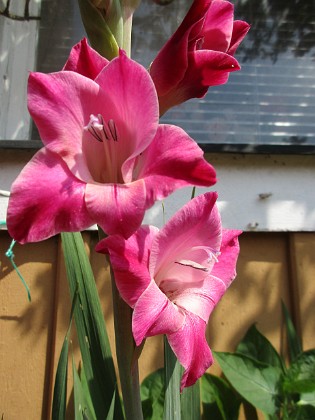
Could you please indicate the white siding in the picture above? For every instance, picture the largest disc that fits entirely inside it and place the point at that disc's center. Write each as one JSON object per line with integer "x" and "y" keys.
{"x": 18, "y": 40}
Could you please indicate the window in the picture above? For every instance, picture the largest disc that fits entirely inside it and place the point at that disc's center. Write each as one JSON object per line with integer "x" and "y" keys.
{"x": 266, "y": 107}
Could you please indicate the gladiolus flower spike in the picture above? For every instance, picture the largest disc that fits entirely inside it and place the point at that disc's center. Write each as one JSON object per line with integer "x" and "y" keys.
{"x": 173, "y": 278}
{"x": 106, "y": 158}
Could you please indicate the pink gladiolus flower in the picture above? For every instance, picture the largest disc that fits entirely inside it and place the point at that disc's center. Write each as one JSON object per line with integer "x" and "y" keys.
{"x": 173, "y": 278}
{"x": 199, "y": 54}
{"x": 106, "y": 158}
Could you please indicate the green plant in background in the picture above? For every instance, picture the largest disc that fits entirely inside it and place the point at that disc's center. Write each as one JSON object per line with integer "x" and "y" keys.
{"x": 256, "y": 376}
{"x": 259, "y": 377}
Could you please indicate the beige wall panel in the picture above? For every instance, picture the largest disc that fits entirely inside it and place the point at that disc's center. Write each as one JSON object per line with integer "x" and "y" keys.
{"x": 31, "y": 334}
{"x": 303, "y": 273}
{"x": 254, "y": 296}
{"x": 25, "y": 329}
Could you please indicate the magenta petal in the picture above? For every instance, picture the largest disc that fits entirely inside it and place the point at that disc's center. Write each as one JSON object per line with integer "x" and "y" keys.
{"x": 225, "y": 267}
{"x": 129, "y": 260}
{"x": 170, "y": 65}
{"x": 55, "y": 103}
{"x": 218, "y": 26}
{"x": 154, "y": 314}
{"x": 135, "y": 106}
{"x": 196, "y": 224}
{"x": 240, "y": 29}
{"x": 85, "y": 60}
{"x": 171, "y": 161}
{"x": 191, "y": 348}
{"x": 212, "y": 67}
{"x": 117, "y": 208}
{"x": 46, "y": 199}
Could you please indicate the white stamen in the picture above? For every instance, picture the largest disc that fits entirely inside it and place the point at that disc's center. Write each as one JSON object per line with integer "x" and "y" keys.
{"x": 101, "y": 130}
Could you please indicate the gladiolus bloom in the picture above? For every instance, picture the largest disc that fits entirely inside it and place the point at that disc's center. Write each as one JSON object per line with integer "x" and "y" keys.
{"x": 173, "y": 278}
{"x": 106, "y": 158}
{"x": 199, "y": 54}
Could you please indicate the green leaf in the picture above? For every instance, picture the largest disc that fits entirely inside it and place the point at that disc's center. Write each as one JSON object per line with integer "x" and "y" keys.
{"x": 294, "y": 342}
{"x": 82, "y": 408}
{"x": 307, "y": 398}
{"x": 257, "y": 382}
{"x": 300, "y": 377}
{"x": 60, "y": 388}
{"x": 90, "y": 325}
{"x": 111, "y": 412}
{"x": 258, "y": 347}
{"x": 190, "y": 402}
{"x": 219, "y": 400}
{"x": 152, "y": 395}
{"x": 173, "y": 373}
{"x": 305, "y": 412}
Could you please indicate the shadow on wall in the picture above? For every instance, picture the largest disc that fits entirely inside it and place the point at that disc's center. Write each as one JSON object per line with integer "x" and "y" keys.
{"x": 32, "y": 333}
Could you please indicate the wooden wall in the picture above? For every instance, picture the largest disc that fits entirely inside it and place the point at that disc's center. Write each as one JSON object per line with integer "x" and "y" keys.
{"x": 271, "y": 266}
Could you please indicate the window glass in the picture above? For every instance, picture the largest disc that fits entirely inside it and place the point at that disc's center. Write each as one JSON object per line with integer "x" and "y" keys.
{"x": 267, "y": 106}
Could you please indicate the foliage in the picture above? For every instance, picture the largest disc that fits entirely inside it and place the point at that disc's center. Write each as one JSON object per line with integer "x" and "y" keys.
{"x": 258, "y": 375}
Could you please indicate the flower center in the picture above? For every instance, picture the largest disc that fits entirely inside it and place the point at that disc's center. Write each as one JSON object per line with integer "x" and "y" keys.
{"x": 109, "y": 156}
{"x": 101, "y": 130}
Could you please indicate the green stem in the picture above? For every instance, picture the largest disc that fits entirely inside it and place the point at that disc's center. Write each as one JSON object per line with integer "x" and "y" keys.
{"x": 173, "y": 373}
{"x": 125, "y": 347}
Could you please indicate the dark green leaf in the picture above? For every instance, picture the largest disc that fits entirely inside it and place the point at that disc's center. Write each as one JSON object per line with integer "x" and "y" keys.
{"x": 173, "y": 373}
{"x": 82, "y": 399}
{"x": 305, "y": 412}
{"x": 152, "y": 395}
{"x": 60, "y": 388}
{"x": 219, "y": 400}
{"x": 190, "y": 402}
{"x": 294, "y": 342}
{"x": 255, "y": 381}
{"x": 300, "y": 377}
{"x": 258, "y": 347}
{"x": 111, "y": 412}
{"x": 90, "y": 325}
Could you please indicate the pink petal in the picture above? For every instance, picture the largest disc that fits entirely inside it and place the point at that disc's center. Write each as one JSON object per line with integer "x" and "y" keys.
{"x": 240, "y": 29}
{"x": 170, "y": 65}
{"x": 85, "y": 60}
{"x": 191, "y": 348}
{"x": 171, "y": 161}
{"x": 218, "y": 26}
{"x": 135, "y": 106}
{"x": 46, "y": 199}
{"x": 196, "y": 224}
{"x": 225, "y": 268}
{"x": 154, "y": 314}
{"x": 201, "y": 299}
{"x": 129, "y": 260}
{"x": 117, "y": 208}
{"x": 61, "y": 105}
{"x": 211, "y": 67}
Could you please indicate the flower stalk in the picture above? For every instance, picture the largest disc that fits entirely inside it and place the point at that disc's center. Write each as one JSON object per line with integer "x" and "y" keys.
{"x": 125, "y": 348}
{"x": 125, "y": 351}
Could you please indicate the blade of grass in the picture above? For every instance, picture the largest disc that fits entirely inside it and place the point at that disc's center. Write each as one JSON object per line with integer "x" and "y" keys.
{"x": 190, "y": 403}
{"x": 60, "y": 388}
{"x": 91, "y": 329}
{"x": 173, "y": 372}
{"x": 82, "y": 403}
{"x": 294, "y": 342}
